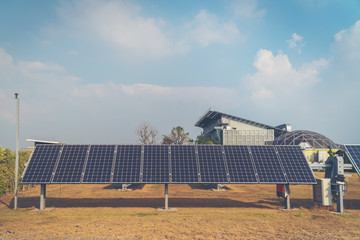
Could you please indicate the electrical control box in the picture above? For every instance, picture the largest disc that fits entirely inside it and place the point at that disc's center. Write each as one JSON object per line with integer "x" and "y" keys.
{"x": 322, "y": 191}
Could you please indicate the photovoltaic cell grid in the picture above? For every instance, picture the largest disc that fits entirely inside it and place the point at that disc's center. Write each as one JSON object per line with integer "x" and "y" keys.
{"x": 127, "y": 164}
{"x": 183, "y": 164}
{"x": 353, "y": 152}
{"x": 156, "y": 164}
{"x": 239, "y": 163}
{"x": 71, "y": 164}
{"x": 295, "y": 165}
{"x": 267, "y": 164}
{"x": 99, "y": 164}
{"x": 42, "y": 164}
{"x": 212, "y": 165}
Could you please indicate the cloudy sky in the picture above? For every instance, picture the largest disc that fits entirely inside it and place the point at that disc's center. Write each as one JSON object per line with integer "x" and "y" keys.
{"x": 92, "y": 71}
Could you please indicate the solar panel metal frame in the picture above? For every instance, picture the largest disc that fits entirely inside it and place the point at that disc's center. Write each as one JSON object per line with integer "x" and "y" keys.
{"x": 258, "y": 163}
{"x": 145, "y": 178}
{"x": 289, "y": 168}
{"x": 230, "y": 164}
{"x": 351, "y": 157}
{"x": 115, "y": 178}
{"x": 84, "y": 178}
{"x": 62, "y": 180}
{"x": 31, "y": 159}
{"x": 202, "y": 164}
{"x": 175, "y": 163}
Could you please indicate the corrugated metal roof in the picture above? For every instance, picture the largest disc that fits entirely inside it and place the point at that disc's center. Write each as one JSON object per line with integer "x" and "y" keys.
{"x": 213, "y": 115}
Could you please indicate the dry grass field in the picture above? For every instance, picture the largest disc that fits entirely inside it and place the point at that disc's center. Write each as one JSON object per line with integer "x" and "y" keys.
{"x": 240, "y": 212}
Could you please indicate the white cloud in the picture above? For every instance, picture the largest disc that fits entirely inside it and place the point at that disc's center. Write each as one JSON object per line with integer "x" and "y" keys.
{"x": 56, "y": 105}
{"x": 275, "y": 76}
{"x": 247, "y": 9}
{"x": 296, "y": 42}
{"x": 347, "y": 43}
{"x": 206, "y": 29}
{"x": 122, "y": 25}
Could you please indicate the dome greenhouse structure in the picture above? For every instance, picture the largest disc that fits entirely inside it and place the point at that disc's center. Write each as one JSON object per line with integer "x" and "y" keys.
{"x": 306, "y": 139}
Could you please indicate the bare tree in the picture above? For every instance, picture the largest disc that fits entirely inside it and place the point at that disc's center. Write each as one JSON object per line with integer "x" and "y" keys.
{"x": 146, "y": 133}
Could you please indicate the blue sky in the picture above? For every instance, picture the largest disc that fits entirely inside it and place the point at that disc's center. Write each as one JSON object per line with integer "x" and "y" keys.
{"x": 92, "y": 71}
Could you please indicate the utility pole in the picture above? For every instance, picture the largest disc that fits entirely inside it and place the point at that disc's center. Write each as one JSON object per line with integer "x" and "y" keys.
{"x": 17, "y": 151}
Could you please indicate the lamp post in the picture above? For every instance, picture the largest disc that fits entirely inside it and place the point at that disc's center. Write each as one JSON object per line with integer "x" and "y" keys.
{"x": 17, "y": 150}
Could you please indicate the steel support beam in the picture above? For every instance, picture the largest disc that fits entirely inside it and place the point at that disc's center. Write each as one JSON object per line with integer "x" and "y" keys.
{"x": 340, "y": 197}
{"x": 287, "y": 196}
{"x": 43, "y": 196}
{"x": 166, "y": 197}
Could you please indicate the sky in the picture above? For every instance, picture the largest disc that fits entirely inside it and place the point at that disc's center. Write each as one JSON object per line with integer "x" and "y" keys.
{"x": 90, "y": 72}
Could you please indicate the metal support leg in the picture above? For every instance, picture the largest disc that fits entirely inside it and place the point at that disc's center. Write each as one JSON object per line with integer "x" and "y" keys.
{"x": 166, "y": 197}
{"x": 43, "y": 197}
{"x": 287, "y": 196}
{"x": 340, "y": 198}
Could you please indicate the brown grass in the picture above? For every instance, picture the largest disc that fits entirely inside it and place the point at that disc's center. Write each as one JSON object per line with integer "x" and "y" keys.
{"x": 241, "y": 212}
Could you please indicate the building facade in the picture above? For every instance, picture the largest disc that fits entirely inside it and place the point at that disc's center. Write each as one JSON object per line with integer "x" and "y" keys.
{"x": 232, "y": 130}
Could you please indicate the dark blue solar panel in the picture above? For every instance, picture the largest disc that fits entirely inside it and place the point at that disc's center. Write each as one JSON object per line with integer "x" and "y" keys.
{"x": 212, "y": 165}
{"x": 239, "y": 163}
{"x": 183, "y": 164}
{"x": 42, "y": 163}
{"x": 295, "y": 165}
{"x": 71, "y": 164}
{"x": 99, "y": 164}
{"x": 267, "y": 164}
{"x": 353, "y": 152}
{"x": 156, "y": 164}
{"x": 127, "y": 165}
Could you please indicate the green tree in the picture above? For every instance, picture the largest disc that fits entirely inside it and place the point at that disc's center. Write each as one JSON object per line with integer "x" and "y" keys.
{"x": 201, "y": 139}
{"x": 177, "y": 136}
{"x": 7, "y": 169}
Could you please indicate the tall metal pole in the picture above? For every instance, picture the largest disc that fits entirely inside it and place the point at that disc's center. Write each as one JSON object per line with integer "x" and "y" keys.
{"x": 17, "y": 151}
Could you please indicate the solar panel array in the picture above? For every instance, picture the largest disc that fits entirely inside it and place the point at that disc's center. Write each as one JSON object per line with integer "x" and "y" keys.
{"x": 71, "y": 164}
{"x": 184, "y": 164}
{"x": 167, "y": 164}
{"x": 156, "y": 164}
{"x": 42, "y": 164}
{"x": 353, "y": 152}
{"x": 240, "y": 165}
{"x": 99, "y": 164}
{"x": 127, "y": 164}
{"x": 291, "y": 158}
{"x": 267, "y": 165}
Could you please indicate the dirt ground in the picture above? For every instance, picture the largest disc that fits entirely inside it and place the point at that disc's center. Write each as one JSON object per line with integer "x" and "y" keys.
{"x": 241, "y": 212}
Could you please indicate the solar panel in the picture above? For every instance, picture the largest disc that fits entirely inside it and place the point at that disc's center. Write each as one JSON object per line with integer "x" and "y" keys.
{"x": 71, "y": 164}
{"x": 156, "y": 164}
{"x": 212, "y": 164}
{"x": 295, "y": 165}
{"x": 267, "y": 165}
{"x": 127, "y": 164}
{"x": 41, "y": 164}
{"x": 239, "y": 163}
{"x": 99, "y": 164}
{"x": 353, "y": 152}
{"x": 183, "y": 164}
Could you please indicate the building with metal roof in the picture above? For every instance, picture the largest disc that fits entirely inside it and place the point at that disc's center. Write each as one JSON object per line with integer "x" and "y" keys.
{"x": 232, "y": 130}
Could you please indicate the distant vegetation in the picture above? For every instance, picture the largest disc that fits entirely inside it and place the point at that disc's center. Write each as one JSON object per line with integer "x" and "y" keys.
{"x": 7, "y": 169}
{"x": 177, "y": 136}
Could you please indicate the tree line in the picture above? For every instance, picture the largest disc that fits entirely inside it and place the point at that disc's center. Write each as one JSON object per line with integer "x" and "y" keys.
{"x": 7, "y": 169}
{"x": 147, "y": 134}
